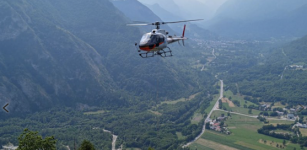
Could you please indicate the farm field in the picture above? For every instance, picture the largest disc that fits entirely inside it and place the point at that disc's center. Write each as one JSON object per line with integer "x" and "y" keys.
{"x": 196, "y": 118}
{"x": 215, "y": 97}
{"x": 200, "y": 147}
{"x": 229, "y": 93}
{"x": 94, "y": 112}
{"x": 180, "y": 136}
{"x": 244, "y": 135}
{"x": 179, "y": 100}
{"x": 303, "y": 131}
{"x": 241, "y": 109}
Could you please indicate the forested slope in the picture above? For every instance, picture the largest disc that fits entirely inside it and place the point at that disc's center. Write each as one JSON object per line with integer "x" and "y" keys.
{"x": 276, "y": 80}
{"x": 67, "y": 52}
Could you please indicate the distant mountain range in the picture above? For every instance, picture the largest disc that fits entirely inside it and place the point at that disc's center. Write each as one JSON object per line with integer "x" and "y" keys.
{"x": 61, "y": 53}
{"x": 240, "y": 19}
{"x": 256, "y": 19}
{"x": 136, "y": 11}
{"x": 281, "y": 78}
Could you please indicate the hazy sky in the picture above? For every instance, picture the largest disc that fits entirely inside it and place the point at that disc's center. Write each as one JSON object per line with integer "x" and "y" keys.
{"x": 214, "y": 4}
{"x": 189, "y": 8}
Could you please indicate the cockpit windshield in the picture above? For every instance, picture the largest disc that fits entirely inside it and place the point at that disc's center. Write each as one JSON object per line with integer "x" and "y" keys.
{"x": 151, "y": 38}
{"x": 145, "y": 38}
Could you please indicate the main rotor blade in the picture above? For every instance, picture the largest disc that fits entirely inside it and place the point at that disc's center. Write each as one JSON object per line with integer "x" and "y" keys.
{"x": 182, "y": 21}
{"x": 140, "y": 22}
{"x": 143, "y": 24}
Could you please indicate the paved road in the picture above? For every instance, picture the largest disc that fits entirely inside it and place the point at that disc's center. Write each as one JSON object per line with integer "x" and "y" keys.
{"x": 113, "y": 140}
{"x": 210, "y": 61}
{"x": 213, "y": 53}
{"x": 283, "y": 73}
{"x": 215, "y": 107}
{"x": 238, "y": 113}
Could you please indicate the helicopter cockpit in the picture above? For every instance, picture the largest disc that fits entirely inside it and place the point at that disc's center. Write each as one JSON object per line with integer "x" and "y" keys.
{"x": 151, "y": 39}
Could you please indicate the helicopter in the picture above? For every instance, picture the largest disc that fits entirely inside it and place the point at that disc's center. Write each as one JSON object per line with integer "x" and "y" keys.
{"x": 156, "y": 42}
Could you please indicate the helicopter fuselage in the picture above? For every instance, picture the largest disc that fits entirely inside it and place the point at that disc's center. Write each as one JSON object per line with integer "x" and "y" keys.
{"x": 153, "y": 41}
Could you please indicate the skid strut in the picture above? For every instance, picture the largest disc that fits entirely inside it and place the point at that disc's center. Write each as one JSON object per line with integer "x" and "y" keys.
{"x": 163, "y": 53}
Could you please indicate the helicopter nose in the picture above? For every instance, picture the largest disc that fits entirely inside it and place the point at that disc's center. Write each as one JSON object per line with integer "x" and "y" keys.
{"x": 147, "y": 47}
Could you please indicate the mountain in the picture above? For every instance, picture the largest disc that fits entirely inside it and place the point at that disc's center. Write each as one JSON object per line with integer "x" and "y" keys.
{"x": 63, "y": 53}
{"x": 137, "y": 11}
{"x": 258, "y": 19}
{"x": 162, "y": 13}
{"x": 204, "y": 9}
{"x": 281, "y": 78}
{"x": 194, "y": 9}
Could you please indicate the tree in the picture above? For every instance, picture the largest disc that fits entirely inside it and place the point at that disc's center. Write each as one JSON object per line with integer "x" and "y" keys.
{"x": 150, "y": 148}
{"x": 30, "y": 140}
{"x": 250, "y": 111}
{"x": 284, "y": 142}
{"x": 207, "y": 125}
{"x": 222, "y": 123}
{"x": 86, "y": 145}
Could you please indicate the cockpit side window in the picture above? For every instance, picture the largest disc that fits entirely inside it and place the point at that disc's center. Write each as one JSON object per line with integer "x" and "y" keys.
{"x": 145, "y": 38}
{"x": 154, "y": 39}
{"x": 161, "y": 38}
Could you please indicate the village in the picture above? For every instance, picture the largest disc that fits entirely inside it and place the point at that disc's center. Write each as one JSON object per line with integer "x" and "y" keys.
{"x": 218, "y": 124}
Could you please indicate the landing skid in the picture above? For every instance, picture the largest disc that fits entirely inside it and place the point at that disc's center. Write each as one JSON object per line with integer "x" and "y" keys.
{"x": 161, "y": 53}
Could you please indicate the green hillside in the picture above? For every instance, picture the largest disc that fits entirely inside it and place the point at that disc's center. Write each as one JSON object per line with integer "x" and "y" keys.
{"x": 276, "y": 80}
{"x": 67, "y": 52}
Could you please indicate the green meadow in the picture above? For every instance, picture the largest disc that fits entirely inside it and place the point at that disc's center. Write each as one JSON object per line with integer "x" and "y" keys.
{"x": 244, "y": 135}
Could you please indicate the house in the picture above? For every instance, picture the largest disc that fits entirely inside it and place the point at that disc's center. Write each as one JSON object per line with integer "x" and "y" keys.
{"x": 216, "y": 124}
{"x": 280, "y": 113}
{"x": 221, "y": 118}
{"x": 297, "y": 66}
{"x": 302, "y": 125}
{"x": 10, "y": 147}
{"x": 218, "y": 128}
{"x": 208, "y": 120}
{"x": 291, "y": 116}
{"x": 264, "y": 106}
{"x": 292, "y": 110}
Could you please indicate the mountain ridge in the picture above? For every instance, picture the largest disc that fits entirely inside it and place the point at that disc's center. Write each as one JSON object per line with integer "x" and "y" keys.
{"x": 63, "y": 53}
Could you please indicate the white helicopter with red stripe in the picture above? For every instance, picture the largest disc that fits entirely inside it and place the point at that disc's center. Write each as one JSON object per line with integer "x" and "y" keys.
{"x": 156, "y": 41}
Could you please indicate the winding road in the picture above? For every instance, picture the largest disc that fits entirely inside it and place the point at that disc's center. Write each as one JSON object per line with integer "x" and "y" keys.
{"x": 113, "y": 140}
{"x": 209, "y": 61}
{"x": 237, "y": 113}
{"x": 215, "y": 107}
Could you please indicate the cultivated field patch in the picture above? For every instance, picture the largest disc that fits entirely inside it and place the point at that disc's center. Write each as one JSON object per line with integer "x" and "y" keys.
{"x": 303, "y": 131}
{"x": 94, "y": 112}
{"x": 180, "y": 100}
{"x": 155, "y": 112}
{"x": 214, "y": 145}
{"x": 230, "y": 103}
{"x": 196, "y": 118}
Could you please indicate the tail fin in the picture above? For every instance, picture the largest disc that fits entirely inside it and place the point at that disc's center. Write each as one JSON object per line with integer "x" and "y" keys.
{"x": 183, "y": 34}
{"x": 183, "y": 31}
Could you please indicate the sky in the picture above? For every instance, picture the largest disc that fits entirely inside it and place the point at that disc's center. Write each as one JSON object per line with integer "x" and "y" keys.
{"x": 211, "y": 3}
{"x": 189, "y": 8}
